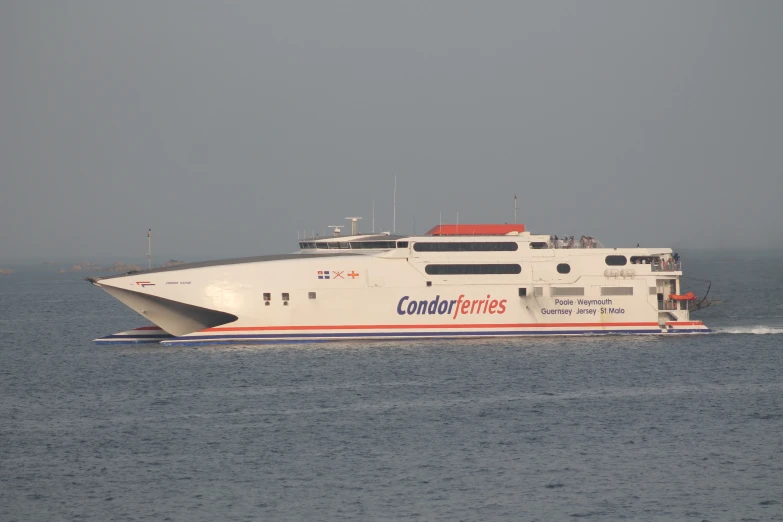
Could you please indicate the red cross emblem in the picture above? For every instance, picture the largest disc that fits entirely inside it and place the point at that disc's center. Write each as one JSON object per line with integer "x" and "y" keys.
{"x": 353, "y": 274}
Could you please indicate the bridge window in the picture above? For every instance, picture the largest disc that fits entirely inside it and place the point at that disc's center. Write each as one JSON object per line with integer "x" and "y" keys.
{"x": 466, "y": 246}
{"x": 616, "y": 260}
{"x": 563, "y": 268}
{"x": 402, "y": 244}
{"x": 472, "y": 269}
{"x": 322, "y": 245}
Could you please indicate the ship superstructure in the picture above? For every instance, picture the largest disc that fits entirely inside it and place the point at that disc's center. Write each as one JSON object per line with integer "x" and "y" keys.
{"x": 454, "y": 281}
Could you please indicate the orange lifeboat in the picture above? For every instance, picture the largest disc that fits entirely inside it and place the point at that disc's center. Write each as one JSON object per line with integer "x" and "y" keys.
{"x": 690, "y": 296}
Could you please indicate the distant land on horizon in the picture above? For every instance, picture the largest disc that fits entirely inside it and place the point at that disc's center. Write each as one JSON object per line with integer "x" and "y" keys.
{"x": 86, "y": 267}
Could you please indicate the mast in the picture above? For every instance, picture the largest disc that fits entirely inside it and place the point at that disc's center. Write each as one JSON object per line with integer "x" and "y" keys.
{"x": 394, "y": 207}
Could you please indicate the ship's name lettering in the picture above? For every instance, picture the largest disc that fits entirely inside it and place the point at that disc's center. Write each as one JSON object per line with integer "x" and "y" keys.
{"x": 453, "y": 307}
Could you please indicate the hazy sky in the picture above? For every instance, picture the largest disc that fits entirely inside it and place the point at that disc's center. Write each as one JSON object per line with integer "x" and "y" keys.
{"x": 228, "y": 126}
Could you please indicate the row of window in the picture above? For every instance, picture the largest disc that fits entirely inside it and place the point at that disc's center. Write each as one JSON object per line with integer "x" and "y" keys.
{"x": 564, "y": 291}
{"x": 285, "y": 297}
{"x": 562, "y": 268}
{"x": 353, "y": 245}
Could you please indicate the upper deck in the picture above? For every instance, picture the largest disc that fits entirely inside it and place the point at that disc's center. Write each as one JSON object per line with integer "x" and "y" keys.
{"x": 503, "y": 242}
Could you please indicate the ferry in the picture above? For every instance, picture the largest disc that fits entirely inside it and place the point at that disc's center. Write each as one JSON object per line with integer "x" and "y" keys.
{"x": 455, "y": 281}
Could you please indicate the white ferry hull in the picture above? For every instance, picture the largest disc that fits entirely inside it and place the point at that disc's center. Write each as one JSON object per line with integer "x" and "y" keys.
{"x": 301, "y": 298}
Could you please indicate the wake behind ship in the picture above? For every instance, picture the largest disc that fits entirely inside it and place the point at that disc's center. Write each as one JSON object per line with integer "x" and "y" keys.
{"x": 455, "y": 281}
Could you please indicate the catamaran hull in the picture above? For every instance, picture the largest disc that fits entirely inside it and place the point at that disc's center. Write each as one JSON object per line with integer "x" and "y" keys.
{"x": 404, "y": 294}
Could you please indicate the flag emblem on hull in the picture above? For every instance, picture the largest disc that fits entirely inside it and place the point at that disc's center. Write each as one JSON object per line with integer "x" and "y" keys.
{"x": 323, "y": 274}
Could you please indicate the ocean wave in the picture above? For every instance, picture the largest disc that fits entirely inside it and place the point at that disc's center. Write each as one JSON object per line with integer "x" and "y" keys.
{"x": 756, "y": 330}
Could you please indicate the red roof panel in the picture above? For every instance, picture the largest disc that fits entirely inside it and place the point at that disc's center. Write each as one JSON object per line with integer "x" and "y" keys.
{"x": 475, "y": 230}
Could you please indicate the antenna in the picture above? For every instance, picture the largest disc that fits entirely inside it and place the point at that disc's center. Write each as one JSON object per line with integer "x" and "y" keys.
{"x": 149, "y": 249}
{"x": 337, "y": 229}
{"x": 354, "y": 225}
{"x": 515, "y": 209}
{"x": 394, "y": 207}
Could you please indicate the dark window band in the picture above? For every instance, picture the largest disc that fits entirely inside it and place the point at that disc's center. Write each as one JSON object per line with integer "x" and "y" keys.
{"x": 472, "y": 269}
{"x": 505, "y": 246}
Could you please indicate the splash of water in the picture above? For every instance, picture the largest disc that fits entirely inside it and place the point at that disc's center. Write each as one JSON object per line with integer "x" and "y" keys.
{"x": 756, "y": 330}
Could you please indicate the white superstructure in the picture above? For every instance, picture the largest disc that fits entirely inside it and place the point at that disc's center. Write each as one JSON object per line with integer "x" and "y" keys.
{"x": 454, "y": 281}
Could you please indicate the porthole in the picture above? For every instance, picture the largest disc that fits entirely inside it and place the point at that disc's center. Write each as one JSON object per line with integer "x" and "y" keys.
{"x": 563, "y": 268}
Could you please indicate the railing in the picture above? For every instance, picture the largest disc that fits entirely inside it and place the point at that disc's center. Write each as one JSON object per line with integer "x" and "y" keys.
{"x": 666, "y": 266}
{"x": 575, "y": 243}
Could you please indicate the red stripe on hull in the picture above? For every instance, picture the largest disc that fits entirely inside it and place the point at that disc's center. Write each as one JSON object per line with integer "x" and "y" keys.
{"x": 422, "y": 326}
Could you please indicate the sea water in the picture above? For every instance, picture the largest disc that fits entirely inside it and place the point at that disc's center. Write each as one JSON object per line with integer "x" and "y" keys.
{"x": 603, "y": 428}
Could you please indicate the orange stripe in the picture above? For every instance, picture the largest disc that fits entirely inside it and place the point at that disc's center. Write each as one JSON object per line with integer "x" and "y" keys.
{"x": 410, "y": 326}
